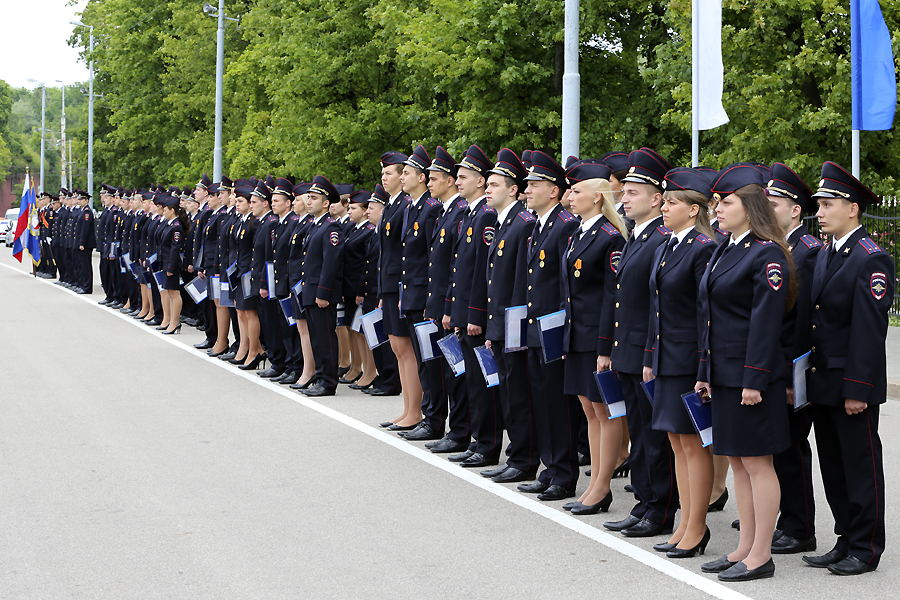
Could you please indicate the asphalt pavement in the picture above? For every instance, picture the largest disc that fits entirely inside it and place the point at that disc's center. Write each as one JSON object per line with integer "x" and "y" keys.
{"x": 134, "y": 466}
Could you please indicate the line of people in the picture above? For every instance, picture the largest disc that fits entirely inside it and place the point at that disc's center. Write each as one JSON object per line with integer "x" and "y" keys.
{"x": 648, "y": 285}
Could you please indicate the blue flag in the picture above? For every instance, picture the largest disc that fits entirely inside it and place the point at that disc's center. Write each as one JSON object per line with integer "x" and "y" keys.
{"x": 27, "y": 228}
{"x": 872, "y": 68}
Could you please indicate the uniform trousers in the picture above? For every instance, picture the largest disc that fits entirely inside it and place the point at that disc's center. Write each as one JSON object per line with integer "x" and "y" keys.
{"x": 85, "y": 269}
{"x": 794, "y": 470}
{"x": 60, "y": 260}
{"x": 518, "y": 413}
{"x": 850, "y": 459}
{"x": 270, "y": 332}
{"x": 487, "y": 414}
{"x": 431, "y": 376}
{"x": 388, "y": 379}
{"x": 556, "y": 420}
{"x": 652, "y": 462}
{"x": 323, "y": 336}
{"x": 290, "y": 339}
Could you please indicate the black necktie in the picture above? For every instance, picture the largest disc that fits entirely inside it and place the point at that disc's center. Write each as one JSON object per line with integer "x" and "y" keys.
{"x": 670, "y": 248}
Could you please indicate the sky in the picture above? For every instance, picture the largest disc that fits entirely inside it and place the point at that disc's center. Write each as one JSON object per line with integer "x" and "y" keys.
{"x": 46, "y": 58}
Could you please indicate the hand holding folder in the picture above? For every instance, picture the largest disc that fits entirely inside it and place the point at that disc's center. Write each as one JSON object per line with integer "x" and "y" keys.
{"x": 452, "y": 350}
{"x": 701, "y": 416}
{"x": 611, "y": 392}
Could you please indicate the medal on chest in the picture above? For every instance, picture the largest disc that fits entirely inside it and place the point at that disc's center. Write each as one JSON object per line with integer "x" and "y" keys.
{"x": 578, "y": 268}
{"x": 541, "y": 256}
{"x": 500, "y": 248}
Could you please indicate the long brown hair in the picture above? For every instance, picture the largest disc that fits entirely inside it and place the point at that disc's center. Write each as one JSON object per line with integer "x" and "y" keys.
{"x": 764, "y": 226}
{"x": 701, "y": 222}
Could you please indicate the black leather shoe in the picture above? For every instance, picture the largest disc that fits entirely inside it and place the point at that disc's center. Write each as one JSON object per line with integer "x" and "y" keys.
{"x": 556, "y": 492}
{"x": 646, "y": 528}
{"x": 571, "y": 505}
{"x": 344, "y": 380}
{"x": 479, "y": 460}
{"x": 664, "y": 546}
{"x": 791, "y": 545}
{"x": 593, "y": 509}
{"x": 718, "y": 565}
{"x": 629, "y": 488}
{"x": 386, "y": 424}
{"x": 447, "y": 445}
{"x": 308, "y": 384}
{"x": 227, "y": 356}
{"x": 356, "y": 386}
{"x": 290, "y": 379}
{"x": 204, "y": 345}
{"x": 850, "y": 566}
{"x": 316, "y": 391}
{"x": 396, "y": 427}
{"x": 269, "y": 373}
{"x": 343, "y": 371}
{"x": 512, "y": 475}
{"x": 538, "y": 487}
{"x": 494, "y": 472}
{"x": 629, "y": 521}
{"x": 583, "y": 460}
{"x": 623, "y": 469}
{"x": 377, "y": 392}
{"x": 459, "y": 457}
{"x": 280, "y": 377}
{"x": 740, "y": 572}
{"x": 423, "y": 433}
{"x": 677, "y": 552}
{"x": 719, "y": 504}
{"x": 825, "y": 560}
{"x": 736, "y": 524}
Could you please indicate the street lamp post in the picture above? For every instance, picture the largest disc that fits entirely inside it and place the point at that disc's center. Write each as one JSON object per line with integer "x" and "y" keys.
{"x": 90, "y": 173}
{"x": 63, "y": 182}
{"x": 43, "y": 128}
{"x": 220, "y": 15}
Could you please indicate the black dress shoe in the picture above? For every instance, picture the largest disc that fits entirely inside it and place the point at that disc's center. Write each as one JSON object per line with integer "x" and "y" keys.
{"x": 479, "y": 460}
{"x": 270, "y": 373}
{"x": 494, "y": 472}
{"x": 344, "y": 380}
{"x": 646, "y": 528}
{"x": 556, "y": 492}
{"x": 378, "y": 392}
{"x": 850, "y": 566}
{"x": 623, "y": 469}
{"x": 447, "y": 445}
{"x": 718, "y": 565}
{"x": 227, "y": 356}
{"x": 571, "y": 505}
{"x": 423, "y": 433}
{"x": 583, "y": 460}
{"x": 677, "y": 552}
{"x": 281, "y": 377}
{"x": 629, "y": 488}
{"x": 736, "y": 524}
{"x": 538, "y": 487}
{"x": 825, "y": 560}
{"x": 664, "y": 546}
{"x": 290, "y": 378}
{"x": 396, "y": 427}
{"x": 791, "y": 545}
{"x": 719, "y": 504}
{"x": 343, "y": 371}
{"x": 740, "y": 572}
{"x": 629, "y": 521}
{"x": 512, "y": 475}
{"x": 356, "y": 386}
{"x": 386, "y": 424}
{"x": 204, "y": 345}
{"x": 593, "y": 509}
{"x": 459, "y": 457}
{"x": 316, "y": 391}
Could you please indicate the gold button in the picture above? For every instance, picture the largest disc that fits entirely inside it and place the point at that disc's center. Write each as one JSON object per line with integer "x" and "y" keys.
{"x": 813, "y": 369}
{"x": 492, "y": 265}
{"x": 429, "y": 293}
{"x": 489, "y": 299}
{"x": 817, "y": 307}
{"x": 813, "y": 348}
{"x": 657, "y": 315}
{"x": 490, "y": 316}
{"x": 615, "y": 343}
{"x": 530, "y": 321}
{"x": 617, "y": 323}
{"x": 657, "y": 337}
{"x": 617, "y": 305}
{"x": 453, "y": 299}
{"x": 814, "y": 327}
{"x": 531, "y": 270}
{"x": 404, "y": 287}
{"x": 618, "y": 286}
{"x": 404, "y": 258}
{"x": 454, "y": 269}
{"x": 429, "y": 280}
{"x": 454, "y": 285}
{"x": 529, "y": 304}
{"x": 489, "y": 282}
{"x": 429, "y": 264}
{"x": 708, "y": 323}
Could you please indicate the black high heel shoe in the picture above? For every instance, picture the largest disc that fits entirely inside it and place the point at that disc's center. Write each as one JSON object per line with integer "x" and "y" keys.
{"x": 354, "y": 380}
{"x": 690, "y": 552}
{"x": 343, "y": 371}
{"x": 237, "y": 361}
{"x": 720, "y": 503}
{"x": 623, "y": 469}
{"x": 173, "y": 331}
{"x": 254, "y": 364}
{"x": 593, "y": 509}
{"x": 664, "y": 546}
{"x": 356, "y": 386}
{"x": 162, "y": 328}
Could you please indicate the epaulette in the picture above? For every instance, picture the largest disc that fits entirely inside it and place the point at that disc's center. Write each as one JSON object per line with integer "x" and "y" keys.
{"x": 272, "y": 218}
{"x": 704, "y": 239}
{"x": 432, "y": 202}
{"x": 461, "y": 203}
{"x": 811, "y": 241}
{"x": 369, "y": 226}
{"x": 664, "y": 230}
{"x": 527, "y": 216}
{"x": 870, "y": 246}
{"x": 566, "y": 217}
{"x": 489, "y": 210}
{"x": 720, "y": 232}
{"x": 764, "y": 242}
{"x": 610, "y": 229}
{"x": 330, "y": 219}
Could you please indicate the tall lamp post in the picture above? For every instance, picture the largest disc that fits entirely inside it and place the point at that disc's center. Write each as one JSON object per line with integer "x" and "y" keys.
{"x": 90, "y": 173}
{"x": 43, "y": 128}
{"x": 219, "y": 14}
{"x": 63, "y": 182}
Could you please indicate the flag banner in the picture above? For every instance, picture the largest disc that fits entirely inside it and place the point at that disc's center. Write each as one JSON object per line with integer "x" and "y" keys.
{"x": 552, "y": 327}
{"x": 27, "y": 230}
{"x": 701, "y": 416}
{"x": 708, "y": 70}
{"x": 515, "y": 328}
{"x": 270, "y": 279}
{"x": 649, "y": 387}
{"x": 611, "y": 392}
{"x": 874, "y": 89}
{"x": 288, "y": 311}
{"x": 196, "y": 288}
{"x": 801, "y": 364}
{"x": 225, "y": 298}
{"x": 373, "y": 328}
{"x": 427, "y": 334}
{"x": 488, "y": 366}
{"x": 452, "y": 351}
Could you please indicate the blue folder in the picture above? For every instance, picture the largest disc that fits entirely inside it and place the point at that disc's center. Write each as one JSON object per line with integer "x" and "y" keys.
{"x": 288, "y": 310}
{"x": 226, "y": 299}
{"x": 341, "y": 319}
{"x": 488, "y": 366}
{"x": 246, "y": 285}
{"x": 516, "y": 319}
{"x": 270, "y": 279}
{"x": 160, "y": 279}
{"x": 452, "y": 350}
{"x": 196, "y": 288}
{"x": 427, "y": 335}
{"x": 701, "y": 416}
{"x": 611, "y": 392}
{"x": 400, "y": 302}
{"x": 649, "y": 388}
{"x": 373, "y": 328}
{"x": 552, "y": 328}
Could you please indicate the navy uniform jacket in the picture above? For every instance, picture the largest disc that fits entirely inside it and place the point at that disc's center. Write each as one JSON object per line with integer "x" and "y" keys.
{"x": 468, "y": 284}
{"x": 189, "y": 237}
{"x": 355, "y": 247}
{"x": 58, "y": 223}
{"x": 126, "y": 234}
{"x": 740, "y": 329}
{"x": 420, "y": 221}
{"x": 795, "y": 329}
{"x": 370, "y": 280}
{"x": 721, "y": 235}
{"x": 440, "y": 257}
{"x": 223, "y": 251}
{"x": 850, "y": 299}
{"x": 673, "y": 335}
{"x": 589, "y": 287}
{"x": 69, "y": 238}
{"x": 390, "y": 238}
{"x": 85, "y": 230}
{"x": 197, "y": 231}
{"x": 546, "y": 293}
{"x": 295, "y": 256}
{"x": 507, "y": 258}
{"x": 278, "y": 251}
{"x": 105, "y": 226}
{"x": 209, "y": 244}
{"x": 171, "y": 247}
{"x": 261, "y": 243}
{"x": 244, "y": 237}
{"x": 323, "y": 251}
{"x": 633, "y": 300}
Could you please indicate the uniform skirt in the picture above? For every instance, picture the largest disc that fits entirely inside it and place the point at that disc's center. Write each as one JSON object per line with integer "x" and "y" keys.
{"x": 393, "y": 324}
{"x": 172, "y": 281}
{"x": 669, "y": 413}
{"x": 579, "y": 375}
{"x": 757, "y": 430}
{"x": 241, "y": 303}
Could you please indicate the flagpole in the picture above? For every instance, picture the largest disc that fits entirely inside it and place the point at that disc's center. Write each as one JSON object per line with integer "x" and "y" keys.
{"x": 695, "y": 87}
{"x": 855, "y": 160}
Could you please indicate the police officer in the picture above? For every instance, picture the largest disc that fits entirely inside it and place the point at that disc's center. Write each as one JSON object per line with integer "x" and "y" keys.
{"x": 84, "y": 242}
{"x": 852, "y": 290}
{"x": 355, "y": 247}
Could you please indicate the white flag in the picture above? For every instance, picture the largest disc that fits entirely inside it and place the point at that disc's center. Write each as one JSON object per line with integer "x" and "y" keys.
{"x": 708, "y": 71}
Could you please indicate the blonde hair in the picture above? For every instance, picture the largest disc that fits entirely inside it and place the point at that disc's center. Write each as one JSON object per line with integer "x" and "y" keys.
{"x": 608, "y": 209}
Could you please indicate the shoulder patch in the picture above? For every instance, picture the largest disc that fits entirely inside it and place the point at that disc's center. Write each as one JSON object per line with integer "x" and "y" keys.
{"x": 488, "y": 235}
{"x": 870, "y": 246}
{"x": 610, "y": 229}
{"x": 878, "y": 283}
{"x": 86, "y": 216}
{"x": 614, "y": 257}
{"x": 566, "y": 217}
{"x": 811, "y": 241}
{"x": 764, "y": 242}
{"x": 664, "y": 230}
{"x": 526, "y": 216}
{"x": 704, "y": 239}
{"x": 334, "y": 238}
{"x": 432, "y": 202}
{"x": 774, "y": 275}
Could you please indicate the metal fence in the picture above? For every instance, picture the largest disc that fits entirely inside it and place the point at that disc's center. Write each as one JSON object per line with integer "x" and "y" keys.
{"x": 881, "y": 224}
